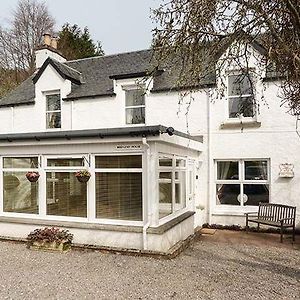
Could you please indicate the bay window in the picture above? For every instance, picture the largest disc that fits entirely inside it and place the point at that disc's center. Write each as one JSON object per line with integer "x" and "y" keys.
{"x": 19, "y": 194}
{"x": 242, "y": 182}
{"x": 240, "y": 95}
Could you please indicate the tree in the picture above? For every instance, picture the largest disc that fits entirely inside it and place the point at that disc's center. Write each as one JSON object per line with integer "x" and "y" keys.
{"x": 75, "y": 43}
{"x": 30, "y": 20}
{"x": 198, "y": 31}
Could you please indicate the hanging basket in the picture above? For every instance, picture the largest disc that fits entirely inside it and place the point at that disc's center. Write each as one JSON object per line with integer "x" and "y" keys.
{"x": 83, "y": 176}
{"x": 33, "y": 176}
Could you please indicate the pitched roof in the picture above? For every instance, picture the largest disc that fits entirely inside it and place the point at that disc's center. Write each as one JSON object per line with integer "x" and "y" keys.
{"x": 93, "y": 77}
{"x": 63, "y": 70}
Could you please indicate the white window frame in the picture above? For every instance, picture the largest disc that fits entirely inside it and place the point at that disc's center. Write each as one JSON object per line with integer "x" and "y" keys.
{"x": 51, "y": 93}
{"x": 131, "y": 88}
{"x": 237, "y": 73}
{"x": 39, "y": 195}
{"x": 47, "y": 169}
{"x": 119, "y": 170}
{"x": 177, "y": 209}
{"x": 241, "y": 181}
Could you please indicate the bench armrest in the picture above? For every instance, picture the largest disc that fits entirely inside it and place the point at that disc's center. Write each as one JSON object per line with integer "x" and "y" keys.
{"x": 254, "y": 214}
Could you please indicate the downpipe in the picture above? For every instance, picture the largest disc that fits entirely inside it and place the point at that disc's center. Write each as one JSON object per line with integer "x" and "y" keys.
{"x": 146, "y": 209}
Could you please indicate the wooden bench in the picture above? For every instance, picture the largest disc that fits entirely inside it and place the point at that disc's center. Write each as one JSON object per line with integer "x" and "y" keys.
{"x": 277, "y": 215}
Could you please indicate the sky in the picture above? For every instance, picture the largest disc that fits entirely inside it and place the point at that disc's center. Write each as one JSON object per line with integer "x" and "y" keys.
{"x": 120, "y": 25}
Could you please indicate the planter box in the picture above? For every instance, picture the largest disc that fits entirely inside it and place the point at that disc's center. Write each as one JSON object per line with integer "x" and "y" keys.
{"x": 50, "y": 246}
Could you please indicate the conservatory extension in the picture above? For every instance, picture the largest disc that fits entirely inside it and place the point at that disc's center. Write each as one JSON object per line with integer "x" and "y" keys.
{"x": 140, "y": 193}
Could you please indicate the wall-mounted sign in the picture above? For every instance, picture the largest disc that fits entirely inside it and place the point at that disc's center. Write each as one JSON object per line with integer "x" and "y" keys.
{"x": 286, "y": 170}
{"x": 129, "y": 147}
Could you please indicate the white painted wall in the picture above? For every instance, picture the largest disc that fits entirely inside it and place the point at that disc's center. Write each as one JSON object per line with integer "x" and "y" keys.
{"x": 42, "y": 54}
{"x": 275, "y": 139}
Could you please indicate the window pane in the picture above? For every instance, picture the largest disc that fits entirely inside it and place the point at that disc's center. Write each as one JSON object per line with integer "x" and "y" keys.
{"x": 65, "y": 162}
{"x": 165, "y": 175}
{"x": 135, "y": 97}
{"x": 228, "y": 194}
{"x": 20, "y": 162}
{"x": 54, "y": 120}
{"x": 66, "y": 196}
{"x": 19, "y": 194}
{"x": 180, "y": 191}
{"x": 165, "y": 162}
{"x": 255, "y": 193}
{"x": 122, "y": 161}
{"x": 228, "y": 170}
{"x": 256, "y": 170}
{"x": 180, "y": 163}
{"x": 53, "y": 102}
{"x": 135, "y": 115}
{"x": 165, "y": 199}
{"x": 119, "y": 196}
{"x": 239, "y": 85}
{"x": 241, "y": 106}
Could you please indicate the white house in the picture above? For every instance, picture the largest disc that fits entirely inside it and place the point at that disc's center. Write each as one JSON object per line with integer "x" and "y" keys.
{"x": 158, "y": 169}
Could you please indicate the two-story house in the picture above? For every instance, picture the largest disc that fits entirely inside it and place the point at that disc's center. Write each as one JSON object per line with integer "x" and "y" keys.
{"x": 159, "y": 167}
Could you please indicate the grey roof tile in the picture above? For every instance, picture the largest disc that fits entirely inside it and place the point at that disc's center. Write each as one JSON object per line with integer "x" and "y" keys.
{"x": 22, "y": 94}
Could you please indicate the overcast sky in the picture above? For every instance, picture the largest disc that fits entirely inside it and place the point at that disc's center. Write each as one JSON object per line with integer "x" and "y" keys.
{"x": 121, "y": 25}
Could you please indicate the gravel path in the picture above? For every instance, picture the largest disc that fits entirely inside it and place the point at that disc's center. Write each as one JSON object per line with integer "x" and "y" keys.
{"x": 208, "y": 270}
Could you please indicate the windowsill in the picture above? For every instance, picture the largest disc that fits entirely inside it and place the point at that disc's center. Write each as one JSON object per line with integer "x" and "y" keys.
{"x": 240, "y": 123}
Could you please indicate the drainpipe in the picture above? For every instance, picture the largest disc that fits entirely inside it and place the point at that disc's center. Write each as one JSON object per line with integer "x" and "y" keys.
{"x": 208, "y": 158}
{"x": 146, "y": 208}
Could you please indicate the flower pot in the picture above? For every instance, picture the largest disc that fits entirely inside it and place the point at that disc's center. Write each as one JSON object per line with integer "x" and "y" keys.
{"x": 83, "y": 179}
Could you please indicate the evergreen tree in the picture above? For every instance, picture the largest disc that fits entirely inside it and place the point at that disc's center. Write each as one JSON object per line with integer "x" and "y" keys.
{"x": 75, "y": 43}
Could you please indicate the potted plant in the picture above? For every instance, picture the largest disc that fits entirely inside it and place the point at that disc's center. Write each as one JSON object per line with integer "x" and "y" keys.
{"x": 83, "y": 175}
{"x": 32, "y": 176}
{"x": 53, "y": 239}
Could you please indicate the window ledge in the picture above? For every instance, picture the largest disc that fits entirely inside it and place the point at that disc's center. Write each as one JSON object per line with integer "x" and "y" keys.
{"x": 240, "y": 123}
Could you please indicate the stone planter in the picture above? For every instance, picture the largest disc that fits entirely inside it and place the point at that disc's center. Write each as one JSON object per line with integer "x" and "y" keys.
{"x": 63, "y": 246}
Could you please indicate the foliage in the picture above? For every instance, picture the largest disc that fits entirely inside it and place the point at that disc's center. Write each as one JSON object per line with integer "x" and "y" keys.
{"x": 32, "y": 176}
{"x": 198, "y": 31}
{"x": 83, "y": 173}
{"x": 50, "y": 235}
{"x": 75, "y": 43}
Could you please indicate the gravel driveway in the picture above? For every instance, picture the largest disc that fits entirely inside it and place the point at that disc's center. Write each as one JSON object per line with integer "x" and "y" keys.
{"x": 208, "y": 270}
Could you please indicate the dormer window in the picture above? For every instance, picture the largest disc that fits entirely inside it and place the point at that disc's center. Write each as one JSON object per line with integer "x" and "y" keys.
{"x": 135, "y": 106}
{"x": 240, "y": 96}
{"x": 53, "y": 111}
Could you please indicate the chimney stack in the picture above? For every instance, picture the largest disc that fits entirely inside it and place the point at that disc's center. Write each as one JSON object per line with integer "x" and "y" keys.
{"x": 48, "y": 49}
